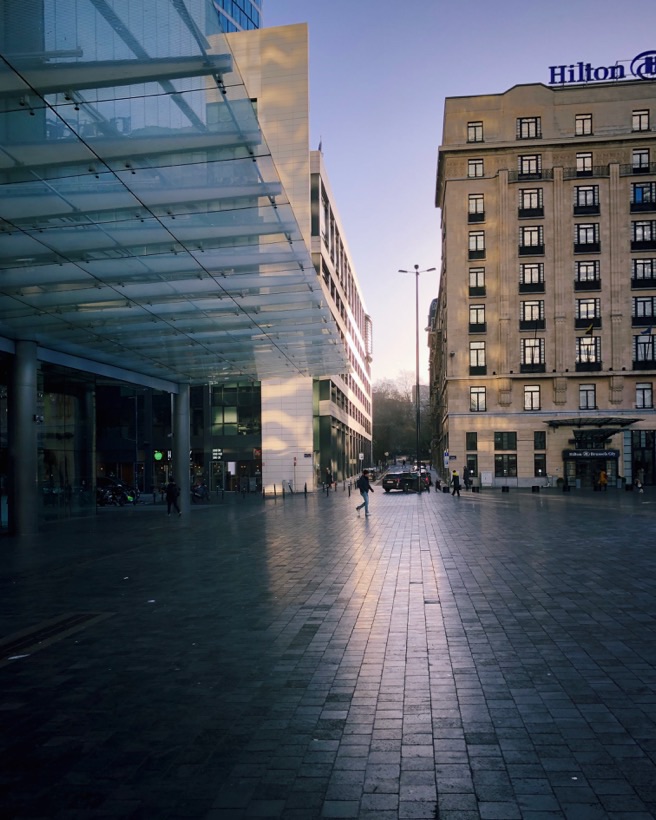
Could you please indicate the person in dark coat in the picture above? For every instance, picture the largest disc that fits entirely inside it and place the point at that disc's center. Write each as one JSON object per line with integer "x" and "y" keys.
{"x": 455, "y": 483}
{"x": 172, "y": 493}
{"x": 365, "y": 488}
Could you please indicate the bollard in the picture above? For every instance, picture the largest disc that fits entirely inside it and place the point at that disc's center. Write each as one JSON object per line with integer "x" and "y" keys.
{"x": 505, "y": 489}
{"x": 535, "y": 488}
{"x": 283, "y": 489}
{"x": 305, "y": 490}
{"x": 349, "y": 489}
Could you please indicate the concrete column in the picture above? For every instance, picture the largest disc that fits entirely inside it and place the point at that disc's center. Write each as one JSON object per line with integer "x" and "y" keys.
{"x": 182, "y": 446}
{"x": 24, "y": 489}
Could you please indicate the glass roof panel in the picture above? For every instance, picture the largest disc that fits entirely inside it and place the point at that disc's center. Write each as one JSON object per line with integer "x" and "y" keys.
{"x": 142, "y": 219}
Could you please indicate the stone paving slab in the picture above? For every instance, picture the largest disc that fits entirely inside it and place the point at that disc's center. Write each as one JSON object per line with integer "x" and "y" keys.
{"x": 489, "y": 656}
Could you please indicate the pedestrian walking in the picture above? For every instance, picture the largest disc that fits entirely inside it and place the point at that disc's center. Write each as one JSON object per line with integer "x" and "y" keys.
{"x": 603, "y": 480}
{"x": 455, "y": 483}
{"x": 365, "y": 488}
{"x": 172, "y": 493}
{"x": 329, "y": 478}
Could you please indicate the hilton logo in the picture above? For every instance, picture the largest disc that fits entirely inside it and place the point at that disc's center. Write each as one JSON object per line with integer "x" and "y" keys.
{"x": 643, "y": 67}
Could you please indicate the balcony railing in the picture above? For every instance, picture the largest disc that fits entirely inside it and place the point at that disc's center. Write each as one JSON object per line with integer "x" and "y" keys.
{"x": 477, "y": 290}
{"x": 477, "y": 370}
{"x": 584, "y": 324}
{"x": 643, "y": 168}
{"x": 588, "y": 367}
{"x": 643, "y": 283}
{"x": 578, "y": 173}
{"x": 478, "y": 327}
{"x": 587, "y": 210}
{"x": 530, "y": 250}
{"x": 531, "y": 324}
{"x": 644, "y": 364}
{"x": 643, "y": 244}
{"x": 476, "y": 254}
{"x": 531, "y": 287}
{"x": 533, "y": 367}
{"x": 587, "y": 284}
{"x": 527, "y": 213}
{"x": 643, "y": 321}
{"x": 520, "y": 176}
{"x": 587, "y": 247}
{"x": 642, "y": 207}
{"x": 476, "y": 217}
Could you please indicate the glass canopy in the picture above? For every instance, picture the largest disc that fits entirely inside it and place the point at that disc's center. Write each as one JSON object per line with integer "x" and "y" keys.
{"x": 142, "y": 219}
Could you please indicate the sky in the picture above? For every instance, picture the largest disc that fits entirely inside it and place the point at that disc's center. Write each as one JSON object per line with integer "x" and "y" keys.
{"x": 380, "y": 71}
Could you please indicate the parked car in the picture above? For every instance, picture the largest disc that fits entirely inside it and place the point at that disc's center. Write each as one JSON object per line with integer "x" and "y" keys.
{"x": 406, "y": 482}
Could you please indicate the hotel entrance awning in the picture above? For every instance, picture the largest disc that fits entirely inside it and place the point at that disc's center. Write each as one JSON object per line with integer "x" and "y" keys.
{"x": 143, "y": 223}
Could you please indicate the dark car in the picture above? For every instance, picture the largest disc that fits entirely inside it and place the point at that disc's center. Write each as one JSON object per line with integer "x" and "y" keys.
{"x": 406, "y": 482}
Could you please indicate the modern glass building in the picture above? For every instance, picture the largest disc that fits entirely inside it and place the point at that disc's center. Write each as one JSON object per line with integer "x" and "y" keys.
{"x": 239, "y": 15}
{"x": 150, "y": 246}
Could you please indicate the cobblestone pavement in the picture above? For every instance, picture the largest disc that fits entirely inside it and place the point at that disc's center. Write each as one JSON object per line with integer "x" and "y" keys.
{"x": 489, "y": 656}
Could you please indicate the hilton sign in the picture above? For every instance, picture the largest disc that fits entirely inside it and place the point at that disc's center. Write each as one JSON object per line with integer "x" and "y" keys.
{"x": 643, "y": 67}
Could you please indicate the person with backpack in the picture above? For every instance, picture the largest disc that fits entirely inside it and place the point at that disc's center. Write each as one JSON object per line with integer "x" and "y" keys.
{"x": 365, "y": 488}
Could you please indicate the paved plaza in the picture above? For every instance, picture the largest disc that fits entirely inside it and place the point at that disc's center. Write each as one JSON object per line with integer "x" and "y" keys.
{"x": 489, "y": 656}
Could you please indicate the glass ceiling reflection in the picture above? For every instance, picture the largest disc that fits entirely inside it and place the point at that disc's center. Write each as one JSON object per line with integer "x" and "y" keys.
{"x": 142, "y": 219}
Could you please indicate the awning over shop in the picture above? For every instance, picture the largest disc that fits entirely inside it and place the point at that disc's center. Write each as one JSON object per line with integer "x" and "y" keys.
{"x": 143, "y": 223}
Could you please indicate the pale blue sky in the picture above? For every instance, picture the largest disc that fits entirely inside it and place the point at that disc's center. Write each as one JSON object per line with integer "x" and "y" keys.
{"x": 379, "y": 73}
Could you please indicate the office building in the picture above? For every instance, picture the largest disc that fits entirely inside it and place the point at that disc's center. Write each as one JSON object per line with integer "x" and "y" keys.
{"x": 149, "y": 248}
{"x": 542, "y": 345}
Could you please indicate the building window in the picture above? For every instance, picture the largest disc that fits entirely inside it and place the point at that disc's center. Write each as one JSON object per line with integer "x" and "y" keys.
{"x": 643, "y": 271}
{"x": 477, "y": 318}
{"x": 644, "y": 396}
{"x": 643, "y": 310}
{"x": 505, "y": 441}
{"x": 587, "y": 397}
{"x": 643, "y": 235}
{"x": 531, "y": 276}
{"x": 583, "y": 125}
{"x": 472, "y": 464}
{"x": 643, "y": 196}
{"x": 505, "y": 466}
{"x": 532, "y": 355}
{"x": 477, "y": 358}
{"x": 586, "y": 237}
{"x": 471, "y": 441}
{"x": 588, "y": 350}
{"x": 529, "y": 128}
{"x": 531, "y": 239}
{"x": 643, "y": 350}
{"x": 640, "y": 120}
{"x": 584, "y": 164}
{"x": 477, "y": 401}
{"x": 539, "y": 440}
{"x": 530, "y": 166}
{"x": 640, "y": 160}
{"x": 476, "y": 208}
{"x": 539, "y": 464}
{"x": 531, "y": 314}
{"x": 531, "y": 397}
{"x": 586, "y": 275}
{"x": 530, "y": 202}
{"x": 586, "y": 199}
{"x": 474, "y": 132}
{"x": 475, "y": 168}
{"x": 477, "y": 281}
{"x": 587, "y": 310}
{"x": 477, "y": 244}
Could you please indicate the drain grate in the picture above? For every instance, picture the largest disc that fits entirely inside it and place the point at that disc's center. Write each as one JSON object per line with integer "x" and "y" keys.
{"x": 30, "y": 640}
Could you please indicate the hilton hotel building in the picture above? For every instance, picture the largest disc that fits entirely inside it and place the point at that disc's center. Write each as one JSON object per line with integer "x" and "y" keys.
{"x": 542, "y": 337}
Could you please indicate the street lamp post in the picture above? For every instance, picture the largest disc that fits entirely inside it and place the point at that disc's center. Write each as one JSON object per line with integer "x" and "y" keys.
{"x": 416, "y": 271}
